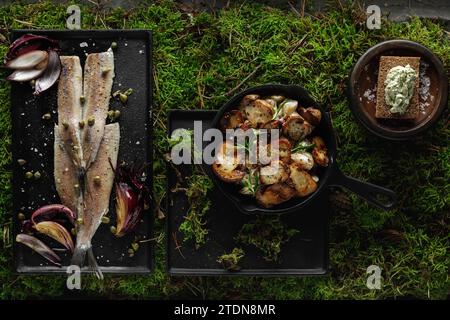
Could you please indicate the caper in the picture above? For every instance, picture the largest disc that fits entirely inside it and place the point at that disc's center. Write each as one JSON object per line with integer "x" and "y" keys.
{"x": 37, "y": 175}
{"x": 123, "y": 97}
{"x": 21, "y": 162}
{"x": 129, "y": 91}
{"x": 82, "y": 99}
{"x": 113, "y": 230}
{"x": 116, "y": 113}
{"x": 111, "y": 114}
{"x": 76, "y": 186}
{"x": 47, "y": 116}
{"x": 73, "y": 231}
{"x": 105, "y": 219}
{"x": 91, "y": 121}
{"x": 28, "y": 174}
{"x": 113, "y": 45}
{"x": 130, "y": 251}
{"x": 80, "y": 220}
{"x": 81, "y": 124}
{"x": 135, "y": 246}
{"x": 21, "y": 216}
{"x": 97, "y": 180}
{"x": 105, "y": 71}
{"x": 65, "y": 125}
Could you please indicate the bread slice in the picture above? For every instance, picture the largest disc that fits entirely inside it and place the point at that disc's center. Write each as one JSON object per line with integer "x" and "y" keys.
{"x": 386, "y": 64}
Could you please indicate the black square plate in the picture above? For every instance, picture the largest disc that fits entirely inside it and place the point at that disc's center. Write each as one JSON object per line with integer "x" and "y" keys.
{"x": 305, "y": 254}
{"x": 33, "y": 141}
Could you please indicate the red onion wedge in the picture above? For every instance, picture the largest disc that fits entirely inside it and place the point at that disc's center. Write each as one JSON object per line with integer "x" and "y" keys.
{"x": 28, "y": 60}
{"x": 57, "y": 232}
{"x": 49, "y": 211}
{"x": 25, "y": 75}
{"x": 51, "y": 74}
{"x": 132, "y": 198}
{"x": 40, "y": 247}
{"x": 29, "y": 42}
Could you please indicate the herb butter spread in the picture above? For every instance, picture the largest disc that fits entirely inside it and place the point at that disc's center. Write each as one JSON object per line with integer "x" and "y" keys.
{"x": 399, "y": 88}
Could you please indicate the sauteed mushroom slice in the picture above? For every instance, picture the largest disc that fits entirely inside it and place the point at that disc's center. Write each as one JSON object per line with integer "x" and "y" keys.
{"x": 319, "y": 152}
{"x": 284, "y": 150}
{"x": 296, "y": 127}
{"x": 288, "y": 107}
{"x": 304, "y": 159}
{"x": 277, "y": 98}
{"x": 232, "y": 120}
{"x": 227, "y": 163}
{"x": 303, "y": 183}
{"x": 275, "y": 194}
{"x": 259, "y": 112}
{"x": 247, "y": 100}
{"x": 312, "y": 115}
{"x": 273, "y": 173}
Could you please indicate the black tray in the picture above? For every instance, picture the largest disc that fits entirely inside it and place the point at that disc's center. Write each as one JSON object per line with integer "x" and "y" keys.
{"x": 305, "y": 254}
{"x": 31, "y": 133}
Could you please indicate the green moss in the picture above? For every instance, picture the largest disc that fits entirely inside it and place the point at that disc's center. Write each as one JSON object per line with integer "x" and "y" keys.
{"x": 230, "y": 261}
{"x": 200, "y": 60}
{"x": 267, "y": 234}
{"x": 194, "y": 225}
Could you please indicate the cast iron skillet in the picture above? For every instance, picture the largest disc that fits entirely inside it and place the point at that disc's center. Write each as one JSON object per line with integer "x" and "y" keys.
{"x": 330, "y": 176}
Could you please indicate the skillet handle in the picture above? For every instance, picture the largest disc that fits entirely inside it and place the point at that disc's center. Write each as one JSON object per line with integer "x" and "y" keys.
{"x": 366, "y": 190}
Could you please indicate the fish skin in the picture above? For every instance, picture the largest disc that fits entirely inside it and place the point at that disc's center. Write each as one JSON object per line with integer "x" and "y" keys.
{"x": 97, "y": 91}
{"x": 65, "y": 176}
{"x": 96, "y": 201}
{"x": 70, "y": 111}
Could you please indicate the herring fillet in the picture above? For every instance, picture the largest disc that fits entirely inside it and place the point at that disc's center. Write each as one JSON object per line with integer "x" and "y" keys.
{"x": 96, "y": 203}
{"x": 98, "y": 81}
{"x": 65, "y": 175}
{"x": 70, "y": 88}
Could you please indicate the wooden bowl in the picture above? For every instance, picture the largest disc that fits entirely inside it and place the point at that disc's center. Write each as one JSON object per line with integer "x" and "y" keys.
{"x": 432, "y": 101}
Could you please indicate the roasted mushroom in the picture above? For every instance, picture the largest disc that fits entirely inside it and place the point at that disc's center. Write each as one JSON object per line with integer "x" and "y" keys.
{"x": 232, "y": 120}
{"x": 287, "y": 107}
{"x": 312, "y": 115}
{"x": 303, "y": 183}
{"x": 304, "y": 159}
{"x": 319, "y": 152}
{"x": 275, "y": 194}
{"x": 284, "y": 150}
{"x": 247, "y": 100}
{"x": 273, "y": 173}
{"x": 259, "y": 112}
{"x": 227, "y": 164}
{"x": 296, "y": 127}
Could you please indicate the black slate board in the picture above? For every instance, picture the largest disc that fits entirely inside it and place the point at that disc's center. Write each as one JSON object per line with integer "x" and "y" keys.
{"x": 305, "y": 254}
{"x": 33, "y": 140}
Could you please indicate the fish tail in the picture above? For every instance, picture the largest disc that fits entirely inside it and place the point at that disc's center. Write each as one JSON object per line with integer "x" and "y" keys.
{"x": 93, "y": 264}
{"x": 79, "y": 256}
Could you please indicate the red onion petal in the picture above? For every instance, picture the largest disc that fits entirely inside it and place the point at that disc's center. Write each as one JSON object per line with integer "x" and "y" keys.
{"x": 51, "y": 74}
{"x": 56, "y": 232}
{"x": 30, "y": 41}
{"x": 40, "y": 247}
{"x": 49, "y": 211}
{"x": 25, "y": 75}
{"x": 28, "y": 60}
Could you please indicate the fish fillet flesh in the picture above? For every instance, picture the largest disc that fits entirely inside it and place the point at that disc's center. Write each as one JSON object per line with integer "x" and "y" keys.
{"x": 100, "y": 180}
{"x": 70, "y": 112}
{"x": 98, "y": 81}
{"x": 66, "y": 179}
